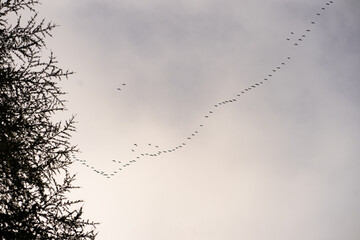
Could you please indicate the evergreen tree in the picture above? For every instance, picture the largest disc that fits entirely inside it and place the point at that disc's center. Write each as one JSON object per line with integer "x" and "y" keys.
{"x": 35, "y": 152}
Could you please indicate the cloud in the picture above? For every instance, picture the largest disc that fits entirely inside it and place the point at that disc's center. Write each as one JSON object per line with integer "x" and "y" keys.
{"x": 279, "y": 163}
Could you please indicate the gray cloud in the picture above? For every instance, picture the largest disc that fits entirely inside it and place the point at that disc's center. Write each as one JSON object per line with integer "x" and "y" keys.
{"x": 280, "y": 163}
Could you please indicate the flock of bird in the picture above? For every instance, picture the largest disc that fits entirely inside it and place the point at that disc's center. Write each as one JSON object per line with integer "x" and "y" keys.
{"x": 157, "y": 151}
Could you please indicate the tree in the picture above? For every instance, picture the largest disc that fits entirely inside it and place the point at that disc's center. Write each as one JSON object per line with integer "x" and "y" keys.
{"x": 35, "y": 152}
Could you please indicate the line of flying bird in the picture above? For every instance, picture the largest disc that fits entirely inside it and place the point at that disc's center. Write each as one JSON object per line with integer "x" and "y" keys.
{"x": 159, "y": 151}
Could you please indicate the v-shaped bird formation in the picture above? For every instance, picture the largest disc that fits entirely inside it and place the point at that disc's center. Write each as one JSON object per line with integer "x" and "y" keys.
{"x": 295, "y": 39}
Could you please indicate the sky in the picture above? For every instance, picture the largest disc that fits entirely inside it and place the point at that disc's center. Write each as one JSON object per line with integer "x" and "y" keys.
{"x": 274, "y": 159}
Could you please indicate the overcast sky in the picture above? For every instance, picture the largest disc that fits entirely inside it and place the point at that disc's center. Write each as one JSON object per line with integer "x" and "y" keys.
{"x": 280, "y": 161}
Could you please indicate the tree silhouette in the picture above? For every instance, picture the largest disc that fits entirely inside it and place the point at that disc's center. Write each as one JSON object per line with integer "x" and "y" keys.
{"x": 35, "y": 152}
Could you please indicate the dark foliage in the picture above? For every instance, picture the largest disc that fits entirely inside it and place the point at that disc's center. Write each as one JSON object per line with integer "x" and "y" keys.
{"x": 34, "y": 149}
